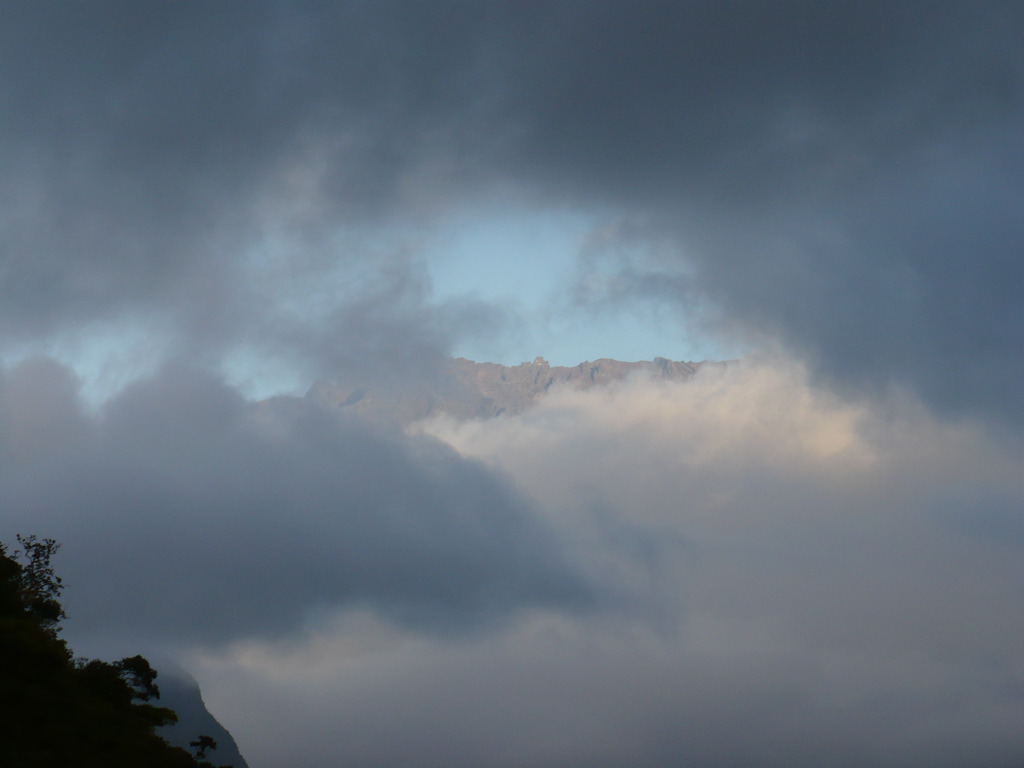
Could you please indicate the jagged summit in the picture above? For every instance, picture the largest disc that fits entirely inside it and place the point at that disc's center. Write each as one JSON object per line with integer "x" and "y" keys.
{"x": 470, "y": 390}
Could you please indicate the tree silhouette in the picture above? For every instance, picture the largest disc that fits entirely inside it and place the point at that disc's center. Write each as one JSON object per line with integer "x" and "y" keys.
{"x": 38, "y": 585}
{"x": 57, "y": 711}
{"x": 201, "y": 745}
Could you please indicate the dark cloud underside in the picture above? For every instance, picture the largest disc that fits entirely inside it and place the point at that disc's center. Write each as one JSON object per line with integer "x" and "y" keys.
{"x": 188, "y": 514}
{"x": 844, "y": 175}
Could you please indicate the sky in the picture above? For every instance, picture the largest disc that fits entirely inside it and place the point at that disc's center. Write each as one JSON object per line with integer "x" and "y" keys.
{"x": 812, "y": 557}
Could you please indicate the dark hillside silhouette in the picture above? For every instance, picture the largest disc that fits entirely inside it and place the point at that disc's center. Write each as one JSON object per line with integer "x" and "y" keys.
{"x": 57, "y": 711}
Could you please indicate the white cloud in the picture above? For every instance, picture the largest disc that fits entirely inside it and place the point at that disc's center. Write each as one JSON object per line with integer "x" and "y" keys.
{"x": 790, "y": 580}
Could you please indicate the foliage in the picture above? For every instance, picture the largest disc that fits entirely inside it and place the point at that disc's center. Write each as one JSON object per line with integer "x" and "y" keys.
{"x": 57, "y": 711}
{"x": 201, "y": 745}
{"x": 38, "y": 585}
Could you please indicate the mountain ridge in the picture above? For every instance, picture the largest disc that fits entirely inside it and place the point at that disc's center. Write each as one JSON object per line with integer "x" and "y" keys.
{"x": 466, "y": 389}
{"x": 181, "y": 692}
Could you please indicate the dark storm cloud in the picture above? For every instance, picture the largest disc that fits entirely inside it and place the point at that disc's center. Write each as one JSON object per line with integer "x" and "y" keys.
{"x": 190, "y": 514}
{"x": 846, "y": 176}
{"x": 152, "y": 153}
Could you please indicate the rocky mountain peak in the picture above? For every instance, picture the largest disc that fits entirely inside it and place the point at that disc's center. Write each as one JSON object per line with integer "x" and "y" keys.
{"x": 470, "y": 390}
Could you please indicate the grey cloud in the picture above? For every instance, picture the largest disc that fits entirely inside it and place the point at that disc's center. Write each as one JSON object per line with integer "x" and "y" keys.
{"x": 152, "y": 149}
{"x": 188, "y": 514}
{"x": 384, "y": 330}
{"x": 842, "y": 177}
{"x": 838, "y": 592}
{"x": 839, "y": 175}
{"x": 570, "y": 699}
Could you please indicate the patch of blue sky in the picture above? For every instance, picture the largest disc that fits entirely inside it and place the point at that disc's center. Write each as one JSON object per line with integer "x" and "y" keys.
{"x": 534, "y": 271}
{"x": 105, "y": 357}
{"x": 531, "y": 266}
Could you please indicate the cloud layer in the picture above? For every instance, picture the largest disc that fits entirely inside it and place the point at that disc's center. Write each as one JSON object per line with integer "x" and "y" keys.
{"x": 791, "y": 581}
{"x": 191, "y": 515}
{"x": 844, "y": 177}
{"x": 811, "y": 560}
